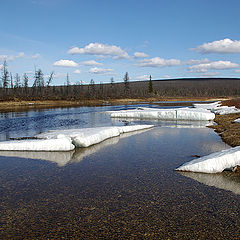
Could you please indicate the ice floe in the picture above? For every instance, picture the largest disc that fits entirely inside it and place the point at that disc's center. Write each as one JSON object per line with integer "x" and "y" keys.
{"x": 215, "y": 162}
{"x": 196, "y": 114}
{"x": 207, "y": 106}
{"x": 88, "y": 136}
{"x": 74, "y": 156}
{"x": 58, "y": 144}
{"x": 67, "y": 140}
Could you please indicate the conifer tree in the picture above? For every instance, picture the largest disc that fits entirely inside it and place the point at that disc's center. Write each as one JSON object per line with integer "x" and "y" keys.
{"x": 150, "y": 85}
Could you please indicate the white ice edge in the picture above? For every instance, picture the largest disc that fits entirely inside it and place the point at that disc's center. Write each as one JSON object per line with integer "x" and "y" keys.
{"x": 196, "y": 114}
{"x": 214, "y": 163}
{"x": 61, "y": 144}
{"x": 67, "y": 140}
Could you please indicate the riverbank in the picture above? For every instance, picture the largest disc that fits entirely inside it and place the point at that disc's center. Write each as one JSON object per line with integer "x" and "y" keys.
{"x": 226, "y": 127}
{"x": 9, "y": 106}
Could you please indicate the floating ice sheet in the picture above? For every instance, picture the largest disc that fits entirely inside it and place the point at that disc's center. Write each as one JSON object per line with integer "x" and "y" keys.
{"x": 89, "y": 136}
{"x": 74, "y": 156}
{"x": 208, "y": 106}
{"x": 214, "y": 163}
{"x": 196, "y": 114}
{"x": 60, "y": 144}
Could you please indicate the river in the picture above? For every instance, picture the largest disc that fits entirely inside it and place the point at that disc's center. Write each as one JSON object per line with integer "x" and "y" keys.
{"x": 122, "y": 188}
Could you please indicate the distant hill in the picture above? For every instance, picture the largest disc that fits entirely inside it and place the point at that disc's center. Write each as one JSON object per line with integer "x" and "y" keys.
{"x": 182, "y": 87}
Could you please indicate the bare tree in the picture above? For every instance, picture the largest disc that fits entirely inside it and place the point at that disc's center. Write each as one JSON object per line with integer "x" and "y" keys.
{"x": 17, "y": 83}
{"x": 126, "y": 83}
{"x": 5, "y": 75}
{"x": 50, "y": 78}
{"x": 25, "y": 80}
{"x": 150, "y": 85}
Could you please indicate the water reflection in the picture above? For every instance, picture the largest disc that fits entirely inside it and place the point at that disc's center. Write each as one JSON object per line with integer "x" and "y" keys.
{"x": 166, "y": 123}
{"x": 226, "y": 180}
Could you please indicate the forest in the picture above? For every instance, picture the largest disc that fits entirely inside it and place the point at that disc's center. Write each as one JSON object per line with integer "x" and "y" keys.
{"x": 17, "y": 88}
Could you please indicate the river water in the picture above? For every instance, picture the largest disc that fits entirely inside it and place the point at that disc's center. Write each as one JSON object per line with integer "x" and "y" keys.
{"x": 122, "y": 188}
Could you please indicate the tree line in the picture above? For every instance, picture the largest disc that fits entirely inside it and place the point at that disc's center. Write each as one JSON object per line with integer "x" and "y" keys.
{"x": 17, "y": 88}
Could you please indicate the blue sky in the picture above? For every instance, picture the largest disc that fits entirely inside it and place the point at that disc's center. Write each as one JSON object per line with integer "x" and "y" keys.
{"x": 100, "y": 39}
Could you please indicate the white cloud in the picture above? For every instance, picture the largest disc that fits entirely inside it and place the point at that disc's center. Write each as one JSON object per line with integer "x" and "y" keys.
{"x": 77, "y": 71}
{"x": 218, "y": 65}
{"x": 100, "y": 49}
{"x": 11, "y": 57}
{"x": 166, "y": 76}
{"x": 222, "y": 46}
{"x": 37, "y": 55}
{"x": 65, "y": 63}
{"x": 91, "y": 63}
{"x": 209, "y": 74}
{"x": 158, "y": 62}
{"x": 142, "y": 77}
{"x": 197, "y": 61}
{"x": 140, "y": 55}
{"x": 97, "y": 70}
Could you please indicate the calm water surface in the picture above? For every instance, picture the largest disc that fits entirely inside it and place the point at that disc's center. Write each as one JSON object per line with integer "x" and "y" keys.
{"x": 122, "y": 188}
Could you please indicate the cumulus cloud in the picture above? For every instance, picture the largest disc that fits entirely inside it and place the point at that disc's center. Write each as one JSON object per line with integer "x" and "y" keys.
{"x": 11, "y": 57}
{"x": 158, "y": 62}
{"x": 218, "y": 65}
{"x": 97, "y": 70}
{"x": 221, "y": 46}
{"x": 91, "y": 63}
{"x": 100, "y": 49}
{"x": 210, "y": 74}
{"x": 65, "y": 63}
{"x": 140, "y": 55}
{"x": 197, "y": 61}
{"x": 142, "y": 77}
{"x": 166, "y": 76}
{"x": 77, "y": 71}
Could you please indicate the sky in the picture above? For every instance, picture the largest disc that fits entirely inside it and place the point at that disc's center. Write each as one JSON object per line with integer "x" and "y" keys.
{"x": 104, "y": 39}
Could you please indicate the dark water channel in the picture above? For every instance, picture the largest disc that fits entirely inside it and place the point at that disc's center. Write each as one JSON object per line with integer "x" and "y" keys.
{"x": 122, "y": 188}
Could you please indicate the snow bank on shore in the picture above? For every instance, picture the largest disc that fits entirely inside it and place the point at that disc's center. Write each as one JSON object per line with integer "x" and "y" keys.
{"x": 214, "y": 163}
{"x": 217, "y": 108}
{"x": 165, "y": 114}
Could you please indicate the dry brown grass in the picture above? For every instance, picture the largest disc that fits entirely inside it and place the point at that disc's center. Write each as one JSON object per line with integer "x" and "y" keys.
{"x": 17, "y": 105}
{"x": 227, "y": 129}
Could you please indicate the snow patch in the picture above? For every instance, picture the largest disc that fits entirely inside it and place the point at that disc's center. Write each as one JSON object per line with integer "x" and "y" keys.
{"x": 214, "y": 163}
{"x": 216, "y": 108}
{"x": 63, "y": 144}
{"x": 89, "y": 136}
{"x": 165, "y": 114}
